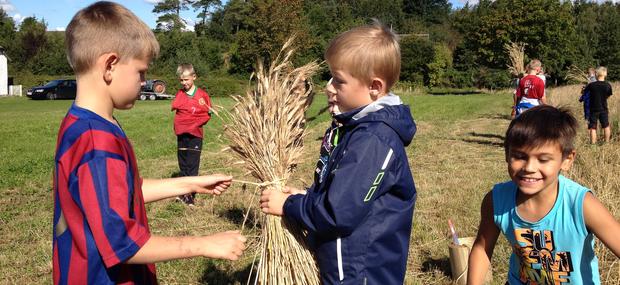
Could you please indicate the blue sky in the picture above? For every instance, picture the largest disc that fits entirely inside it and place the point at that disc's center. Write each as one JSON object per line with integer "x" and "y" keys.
{"x": 58, "y": 13}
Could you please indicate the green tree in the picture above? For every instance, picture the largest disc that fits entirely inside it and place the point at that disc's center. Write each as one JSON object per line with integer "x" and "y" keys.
{"x": 271, "y": 24}
{"x": 171, "y": 14}
{"x": 547, "y": 26}
{"x": 205, "y": 7}
{"x": 31, "y": 37}
{"x": 7, "y": 30}
{"x": 608, "y": 48}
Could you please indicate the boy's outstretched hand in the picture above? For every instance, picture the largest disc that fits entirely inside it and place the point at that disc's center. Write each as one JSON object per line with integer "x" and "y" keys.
{"x": 214, "y": 184}
{"x": 225, "y": 245}
{"x": 272, "y": 201}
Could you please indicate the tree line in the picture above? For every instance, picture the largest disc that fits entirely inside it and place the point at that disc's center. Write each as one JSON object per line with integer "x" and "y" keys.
{"x": 441, "y": 46}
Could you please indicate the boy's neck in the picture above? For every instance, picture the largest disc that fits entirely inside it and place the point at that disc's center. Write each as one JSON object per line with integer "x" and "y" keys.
{"x": 535, "y": 207}
{"x": 191, "y": 91}
{"x": 92, "y": 95}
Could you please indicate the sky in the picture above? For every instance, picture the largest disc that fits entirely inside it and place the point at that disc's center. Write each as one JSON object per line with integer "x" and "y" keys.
{"x": 58, "y": 13}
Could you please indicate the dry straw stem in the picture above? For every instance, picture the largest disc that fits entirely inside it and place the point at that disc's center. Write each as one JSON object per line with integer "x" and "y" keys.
{"x": 266, "y": 131}
{"x": 516, "y": 55}
{"x": 574, "y": 73}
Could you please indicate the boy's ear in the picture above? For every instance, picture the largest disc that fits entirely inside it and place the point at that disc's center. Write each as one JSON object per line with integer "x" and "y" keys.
{"x": 377, "y": 87}
{"x": 568, "y": 160}
{"x": 110, "y": 60}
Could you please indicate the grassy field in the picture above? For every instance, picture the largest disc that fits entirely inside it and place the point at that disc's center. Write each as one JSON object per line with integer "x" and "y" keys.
{"x": 456, "y": 157}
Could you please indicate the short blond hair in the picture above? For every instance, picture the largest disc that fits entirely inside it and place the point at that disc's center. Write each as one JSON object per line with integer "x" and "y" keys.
{"x": 366, "y": 52}
{"x": 534, "y": 64}
{"x": 601, "y": 71}
{"x": 106, "y": 27}
{"x": 185, "y": 68}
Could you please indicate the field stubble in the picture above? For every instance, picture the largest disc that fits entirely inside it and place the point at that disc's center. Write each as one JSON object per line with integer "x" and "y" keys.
{"x": 456, "y": 157}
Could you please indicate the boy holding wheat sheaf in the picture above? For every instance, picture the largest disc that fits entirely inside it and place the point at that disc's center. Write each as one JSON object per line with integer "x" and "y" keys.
{"x": 101, "y": 233}
{"x": 549, "y": 220}
{"x": 358, "y": 213}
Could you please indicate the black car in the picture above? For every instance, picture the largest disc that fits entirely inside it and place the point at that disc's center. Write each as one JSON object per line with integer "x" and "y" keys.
{"x": 55, "y": 89}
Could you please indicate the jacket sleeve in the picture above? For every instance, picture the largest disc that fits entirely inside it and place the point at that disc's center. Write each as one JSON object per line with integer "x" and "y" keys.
{"x": 357, "y": 180}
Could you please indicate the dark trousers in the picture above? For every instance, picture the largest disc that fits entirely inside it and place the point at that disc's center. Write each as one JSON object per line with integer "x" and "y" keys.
{"x": 189, "y": 148}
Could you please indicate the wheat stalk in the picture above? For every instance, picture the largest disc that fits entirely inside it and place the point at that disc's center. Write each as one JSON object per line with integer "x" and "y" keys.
{"x": 266, "y": 130}
{"x": 516, "y": 55}
{"x": 577, "y": 74}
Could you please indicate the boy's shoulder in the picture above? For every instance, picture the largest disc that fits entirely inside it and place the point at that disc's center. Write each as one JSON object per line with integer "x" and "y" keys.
{"x": 82, "y": 131}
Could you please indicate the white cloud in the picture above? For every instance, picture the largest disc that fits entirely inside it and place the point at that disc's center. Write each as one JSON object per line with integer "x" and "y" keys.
{"x": 147, "y": 1}
{"x": 189, "y": 24}
{"x": 7, "y": 6}
{"x": 18, "y": 18}
{"x": 60, "y": 29}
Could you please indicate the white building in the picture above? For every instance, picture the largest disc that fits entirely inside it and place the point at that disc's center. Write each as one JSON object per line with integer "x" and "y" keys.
{"x": 4, "y": 74}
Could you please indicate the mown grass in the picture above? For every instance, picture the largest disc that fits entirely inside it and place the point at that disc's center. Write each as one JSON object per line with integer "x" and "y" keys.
{"x": 456, "y": 157}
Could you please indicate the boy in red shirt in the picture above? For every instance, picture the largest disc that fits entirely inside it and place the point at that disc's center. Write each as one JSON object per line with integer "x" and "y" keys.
{"x": 531, "y": 90}
{"x": 193, "y": 110}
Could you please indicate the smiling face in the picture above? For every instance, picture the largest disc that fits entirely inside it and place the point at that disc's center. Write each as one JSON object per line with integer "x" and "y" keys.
{"x": 535, "y": 170}
{"x": 349, "y": 92}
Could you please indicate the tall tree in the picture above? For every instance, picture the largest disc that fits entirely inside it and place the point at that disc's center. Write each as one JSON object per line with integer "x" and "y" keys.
{"x": 171, "y": 14}
{"x": 205, "y": 7}
{"x": 31, "y": 37}
{"x": 271, "y": 23}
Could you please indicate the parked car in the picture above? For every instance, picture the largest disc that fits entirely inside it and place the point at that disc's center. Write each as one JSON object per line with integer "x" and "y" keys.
{"x": 154, "y": 89}
{"x": 55, "y": 89}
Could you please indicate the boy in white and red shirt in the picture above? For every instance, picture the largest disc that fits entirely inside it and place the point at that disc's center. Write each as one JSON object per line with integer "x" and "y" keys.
{"x": 193, "y": 110}
{"x": 531, "y": 90}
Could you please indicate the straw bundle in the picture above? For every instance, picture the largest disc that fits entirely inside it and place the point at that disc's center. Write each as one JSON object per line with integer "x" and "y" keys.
{"x": 516, "y": 54}
{"x": 574, "y": 73}
{"x": 265, "y": 132}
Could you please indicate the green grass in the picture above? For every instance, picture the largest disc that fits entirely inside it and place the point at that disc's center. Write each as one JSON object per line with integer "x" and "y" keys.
{"x": 455, "y": 157}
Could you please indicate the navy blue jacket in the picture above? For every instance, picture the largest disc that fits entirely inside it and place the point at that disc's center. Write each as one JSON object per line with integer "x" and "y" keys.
{"x": 358, "y": 213}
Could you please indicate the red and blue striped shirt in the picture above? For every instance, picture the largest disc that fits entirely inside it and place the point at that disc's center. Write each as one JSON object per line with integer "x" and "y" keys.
{"x": 99, "y": 215}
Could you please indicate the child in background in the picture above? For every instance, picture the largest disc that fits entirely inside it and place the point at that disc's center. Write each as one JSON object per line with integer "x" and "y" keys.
{"x": 192, "y": 107}
{"x": 598, "y": 92}
{"x": 358, "y": 213}
{"x": 100, "y": 229}
{"x": 549, "y": 220}
{"x": 531, "y": 91}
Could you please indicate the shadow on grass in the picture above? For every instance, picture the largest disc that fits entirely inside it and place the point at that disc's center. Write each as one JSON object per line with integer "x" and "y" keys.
{"x": 441, "y": 264}
{"x": 213, "y": 274}
{"x": 323, "y": 110}
{"x": 236, "y": 216}
{"x": 483, "y": 139}
{"x": 491, "y": 136}
{"x": 483, "y": 142}
{"x": 498, "y": 116}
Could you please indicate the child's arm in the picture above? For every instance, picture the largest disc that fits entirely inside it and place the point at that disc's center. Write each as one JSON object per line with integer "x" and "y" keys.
{"x": 226, "y": 245}
{"x": 600, "y": 222}
{"x": 368, "y": 170}
{"x": 157, "y": 189}
{"x": 482, "y": 250}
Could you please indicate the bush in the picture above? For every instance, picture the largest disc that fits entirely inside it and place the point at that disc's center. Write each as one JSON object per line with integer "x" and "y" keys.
{"x": 493, "y": 78}
{"x": 460, "y": 79}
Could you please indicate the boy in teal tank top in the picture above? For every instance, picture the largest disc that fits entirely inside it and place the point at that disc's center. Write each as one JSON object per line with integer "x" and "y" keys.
{"x": 549, "y": 220}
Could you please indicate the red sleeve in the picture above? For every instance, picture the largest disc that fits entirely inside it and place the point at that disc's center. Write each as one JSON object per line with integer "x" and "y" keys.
{"x": 176, "y": 102}
{"x": 105, "y": 199}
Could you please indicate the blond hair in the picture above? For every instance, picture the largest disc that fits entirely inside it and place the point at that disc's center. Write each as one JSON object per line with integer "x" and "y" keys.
{"x": 185, "y": 68}
{"x": 366, "y": 52}
{"x": 106, "y": 27}
{"x": 601, "y": 71}
{"x": 534, "y": 64}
